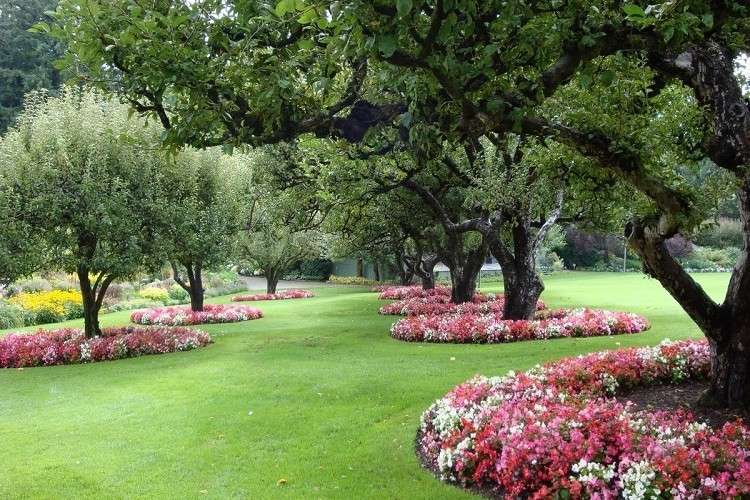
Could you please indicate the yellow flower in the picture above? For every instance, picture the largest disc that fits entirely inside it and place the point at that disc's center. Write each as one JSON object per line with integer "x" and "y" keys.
{"x": 55, "y": 301}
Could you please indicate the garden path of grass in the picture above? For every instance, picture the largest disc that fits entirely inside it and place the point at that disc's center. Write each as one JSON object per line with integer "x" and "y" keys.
{"x": 313, "y": 401}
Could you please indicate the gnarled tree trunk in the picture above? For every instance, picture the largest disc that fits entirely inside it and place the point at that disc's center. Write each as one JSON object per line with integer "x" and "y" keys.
{"x": 93, "y": 297}
{"x": 464, "y": 266}
{"x": 272, "y": 279}
{"x": 194, "y": 285}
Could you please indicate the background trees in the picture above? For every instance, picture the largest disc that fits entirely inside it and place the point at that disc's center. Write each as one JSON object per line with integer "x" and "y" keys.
{"x": 87, "y": 180}
{"x": 201, "y": 215}
{"x": 26, "y": 61}
{"x": 280, "y": 225}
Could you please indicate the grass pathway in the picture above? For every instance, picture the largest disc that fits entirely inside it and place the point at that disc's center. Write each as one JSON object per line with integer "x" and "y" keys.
{"x": 316, "y": 394}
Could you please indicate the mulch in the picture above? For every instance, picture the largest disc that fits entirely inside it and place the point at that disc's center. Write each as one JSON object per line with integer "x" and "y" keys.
{"x": 684, "y": 396}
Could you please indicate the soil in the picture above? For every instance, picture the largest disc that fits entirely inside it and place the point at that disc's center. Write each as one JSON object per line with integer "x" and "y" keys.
{"x": 681, "y": 396}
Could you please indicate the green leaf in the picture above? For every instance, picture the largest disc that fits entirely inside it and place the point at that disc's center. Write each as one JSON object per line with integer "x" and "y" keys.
{"x": 308, "y": 16}
{"x": 305, "y": 44}
{"x": 633, "y": 10}
{"x": 404, "y": 7}
{"x": 284, "y": 7}
{"x": 387, "y": 44}
{"x": 607, "y": 77}
{"x": 708, "y": 20}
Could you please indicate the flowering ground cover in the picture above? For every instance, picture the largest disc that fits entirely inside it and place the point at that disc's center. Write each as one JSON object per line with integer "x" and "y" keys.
{"x": 390, "y": 292}
{"x": 70, "y": 345}
{"x": 436, "y": 304}
{"x": 491, "y": 328}
{"x": 557, "y": 432}
{"x": 283, "y": 294}
{"x": 183, "y": 315}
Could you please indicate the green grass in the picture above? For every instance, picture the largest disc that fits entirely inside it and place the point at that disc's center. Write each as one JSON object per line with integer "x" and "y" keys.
{"x": 335, "y": 402}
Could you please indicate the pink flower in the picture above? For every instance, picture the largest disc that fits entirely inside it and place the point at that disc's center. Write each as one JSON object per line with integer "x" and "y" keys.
{"x": 183, "y": 315}
{"x": 477, "y": 326}
{"x": 70, "y": 345}
{"x": 284, "y": 294}
{"x": 556, "y": 429}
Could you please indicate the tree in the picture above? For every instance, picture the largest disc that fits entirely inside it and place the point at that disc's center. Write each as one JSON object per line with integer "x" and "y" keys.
{"x": 26, "y": 61}
{"x": 88, "y": 179}
{"x": 201, "y": 214}
{"x": 281, "y": 219}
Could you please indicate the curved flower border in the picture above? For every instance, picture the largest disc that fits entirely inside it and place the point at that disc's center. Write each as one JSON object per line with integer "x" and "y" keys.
{"x": 555, "y": 431}
{"x": 482, "y": 303}
{"x": 70, "y": 345}
{"x": 183, "y": 315}
{"x": 282, "y": 295}
{"x": 472, "y": 328}
{"x": 410, "y": 292}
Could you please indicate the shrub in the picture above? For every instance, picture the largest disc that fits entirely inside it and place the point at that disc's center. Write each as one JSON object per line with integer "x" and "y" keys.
{"x": 177, "y": 293}
{"x": 473, "y": 328}
{"x": 155, "y": 294}
{"x": 11, "y": 316}
{"x": 282, "y": 295}
{"x": 182, "y": 315}
{"x": 70, "y": 345}
{"x": 727, "y": 233}
{"x": 49, "y": 307}
{"x": 555, "y": 432}
{"x": 34, "y": 285}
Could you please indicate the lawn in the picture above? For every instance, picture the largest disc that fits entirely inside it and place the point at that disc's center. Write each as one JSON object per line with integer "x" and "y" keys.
{"x": 313, "y": 401}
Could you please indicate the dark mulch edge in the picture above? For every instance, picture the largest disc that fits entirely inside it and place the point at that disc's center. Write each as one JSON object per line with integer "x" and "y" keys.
{"x": 658, "y": 397}
{"x": 684, "y": 396}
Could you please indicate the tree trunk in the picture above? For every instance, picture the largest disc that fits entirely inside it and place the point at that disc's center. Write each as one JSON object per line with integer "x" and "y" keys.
{"x": 522, "y": 288}
{"x": 91, "y": 305}
{"x": 376, "y": 270}
{"x": 428, "y": 281}
{"x": 194, "y": 286}
{"x": 197, "y": 292}
{"x": 464, "y": 268}
{"x": 360, "y": 267}
{"x": 272, "y": 280}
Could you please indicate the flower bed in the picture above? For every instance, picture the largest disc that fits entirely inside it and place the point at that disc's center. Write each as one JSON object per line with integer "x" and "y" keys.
{"x": 70, "y": 345}
{"x": 282, "y": 295}
{"x": 463, "y": 328}
{"x": 441, "y": 304}
{"x": 182, "y": 315}
{"x": 411, "y": 292}
{"x": 556, "y": 432}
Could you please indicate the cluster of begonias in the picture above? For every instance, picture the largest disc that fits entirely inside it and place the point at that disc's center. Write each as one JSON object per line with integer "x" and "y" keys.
{"x": 439, "y": 304}
{"x": 557, "y": 432}
{"x": 70, "y": 345}
{"x": 410, "y": 292}
{"x": 282, "y": 295}
{"x": 183, "y": 315}
{"x": 470, "y": 327}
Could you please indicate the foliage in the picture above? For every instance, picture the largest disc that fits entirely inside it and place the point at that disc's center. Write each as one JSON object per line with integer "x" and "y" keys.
{"x": 180, "y": 315}
{"x": 70, "y": 345}
{"x": 154, "y": 294}
{"x": 602, "y": 447}
{"x": 724, "y": 233}
{"x": 26, "y": 62}
{"x": 11, "y": 315}
{"x": 312, "y": 269}
{"x": 351, "y": 280}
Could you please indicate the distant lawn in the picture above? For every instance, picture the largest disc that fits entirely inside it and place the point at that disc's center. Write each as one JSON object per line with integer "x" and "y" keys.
{"x": 335, "y": 401}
